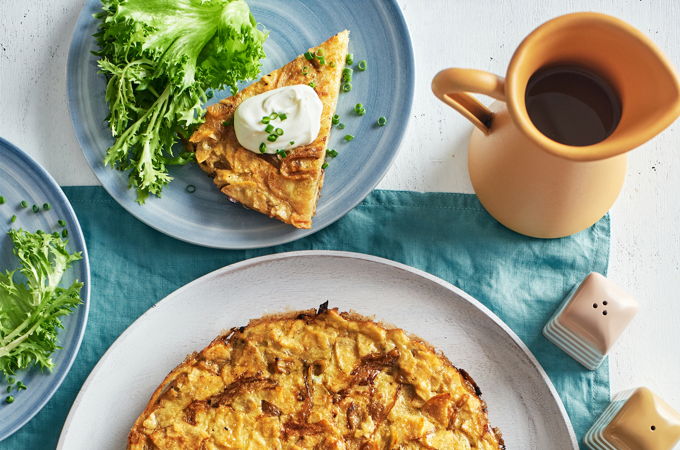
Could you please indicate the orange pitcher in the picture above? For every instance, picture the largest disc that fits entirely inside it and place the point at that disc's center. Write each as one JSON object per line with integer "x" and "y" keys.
{"x": 536, "y": 185}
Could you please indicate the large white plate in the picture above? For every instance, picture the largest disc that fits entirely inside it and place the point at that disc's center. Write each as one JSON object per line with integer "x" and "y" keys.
{"x": 520, "y": 397}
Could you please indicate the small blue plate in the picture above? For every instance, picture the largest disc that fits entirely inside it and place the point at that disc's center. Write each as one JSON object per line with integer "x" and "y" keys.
{"x": 378, "y": 34}
{"x": 21, "y": 178}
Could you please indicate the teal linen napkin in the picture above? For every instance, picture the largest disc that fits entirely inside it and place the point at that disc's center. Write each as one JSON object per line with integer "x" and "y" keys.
{"x": 521, "y": 279}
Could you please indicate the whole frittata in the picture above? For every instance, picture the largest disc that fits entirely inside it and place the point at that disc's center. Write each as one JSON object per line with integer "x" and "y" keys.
{"x": 316, "y": 380}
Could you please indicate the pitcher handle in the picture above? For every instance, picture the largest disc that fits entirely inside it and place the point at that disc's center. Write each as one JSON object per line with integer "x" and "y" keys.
{"x": 454, "y": 87}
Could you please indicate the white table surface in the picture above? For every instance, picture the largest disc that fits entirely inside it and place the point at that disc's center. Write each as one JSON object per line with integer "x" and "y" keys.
{"x": 482, "y": 34}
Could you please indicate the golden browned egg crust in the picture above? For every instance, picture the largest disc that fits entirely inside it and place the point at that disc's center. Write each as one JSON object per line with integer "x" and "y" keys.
{"x": 311, "y": 380}
{"x": 283, "y": 188}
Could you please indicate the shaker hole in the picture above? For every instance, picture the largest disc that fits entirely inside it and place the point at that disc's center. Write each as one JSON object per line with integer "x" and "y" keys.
{"x": 653, "y": 428}
{"x": 604, "y": 303}
{"x": 604, "y": 313}
{"x": 594, "y": 305}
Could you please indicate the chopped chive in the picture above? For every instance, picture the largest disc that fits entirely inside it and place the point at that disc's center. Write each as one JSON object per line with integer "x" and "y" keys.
{"x": 341, "y": 126}
{"x": 226, "y": 123}
{"x": 291, "y": 143}
{"x": 382, "y": 121}
{"x": 305, "y": 70}
{"x": 190, "y": 188}
{"x": 269, "y": 128}
{"x": 319, "y": 53}
{"x": 55, "y": 235}
{"x": 13, "y": 219}
{"x": 336, "y": 119}
{"x": 2, "y": 200}
{"x": 331, "y": 153}
{"x": 283, "y": 116}
{"x": 347, "y": 74}
{"x": 61, "y": 223}
{"x": 272, "y": 138}
{"x": 349, "y": 59}
{"x": 312, "y": 85}
{"x": 359, "y": 108}
{"x": 9, "y": 399}
{"x": 273, "y": 116}
{"x": 332, "y": 64}
{"x": 36, "y": 208}
{"x": 324, "y": 165}
{"x": 9, "y": 389}
{"x": 362, "y": 65}
{"x": 209, "y": 95}
{"x": 309, "y": 56}
{"x": 46, "y": 206}
{"x": 346, "y": 87}
{"x": 348, "y": 137}
{"x": 322, "y": 60}
{"x": 282, "y": 153}
{"x": 23, "y": 204}
{"x": 11, "y": 380}
{"x": 265, "y": 120}
{"x": 21, "y": 386}
{"x": 263, "y": 147}
{"x": 278, "y": 132}
{"x": 64, "y": 233}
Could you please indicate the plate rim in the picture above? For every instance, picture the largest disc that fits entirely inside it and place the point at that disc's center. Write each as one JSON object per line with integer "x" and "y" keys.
{"x": 78, "y": 240}
{"x": 235, "y": 267}
{"x": 298, "y": 234}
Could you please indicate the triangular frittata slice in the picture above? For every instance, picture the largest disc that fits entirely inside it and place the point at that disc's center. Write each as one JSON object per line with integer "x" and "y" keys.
{"x": 283, "y": 188}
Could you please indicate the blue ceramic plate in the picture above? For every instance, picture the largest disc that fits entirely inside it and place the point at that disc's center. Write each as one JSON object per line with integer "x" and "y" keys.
{"x": 378, "y": 34}
{"x": 21, "y": 178}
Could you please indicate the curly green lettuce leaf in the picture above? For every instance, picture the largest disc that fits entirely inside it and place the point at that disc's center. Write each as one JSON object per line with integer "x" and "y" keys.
{"x": 32, "y": 302}
{"x": 162, "y": 58}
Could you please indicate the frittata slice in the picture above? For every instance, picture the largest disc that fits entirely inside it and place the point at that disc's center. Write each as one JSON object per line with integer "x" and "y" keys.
{"x": 316, "y": 380}
{"x": 283, "y": 188}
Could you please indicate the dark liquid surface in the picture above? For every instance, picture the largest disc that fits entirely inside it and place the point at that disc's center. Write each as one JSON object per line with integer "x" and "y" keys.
{"x": 572, "y": 105}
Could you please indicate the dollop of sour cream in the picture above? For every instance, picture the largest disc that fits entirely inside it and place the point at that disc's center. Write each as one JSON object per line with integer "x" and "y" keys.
{"x": 301, "y": 109}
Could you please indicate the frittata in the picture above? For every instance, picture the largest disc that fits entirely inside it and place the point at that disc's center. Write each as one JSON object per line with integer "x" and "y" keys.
{"x": 316, "y": 380}
{"x": 283, "y": 188}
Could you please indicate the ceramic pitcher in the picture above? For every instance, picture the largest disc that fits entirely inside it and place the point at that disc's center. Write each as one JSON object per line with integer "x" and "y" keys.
{"x": 535, "y": 185}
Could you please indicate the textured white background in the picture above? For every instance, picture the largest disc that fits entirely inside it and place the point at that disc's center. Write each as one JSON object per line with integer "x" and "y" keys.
{"x": 482, "y": 34}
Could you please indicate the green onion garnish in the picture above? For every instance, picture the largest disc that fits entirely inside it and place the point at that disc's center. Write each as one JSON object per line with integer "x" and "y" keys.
{"x": 64, "y": 233}
{"x": 273, "y": 116}
{"x": 309, "y": 56}
{"x": 283, "y": 116}
{"x": 278, "y": 132}
{"x": 349, "y": 137}
{"x": 269, "y": 128}
{"x": 332, "y": 64}
{"x": 190, "y": 188}
{"x": 282, "y": 153}
{"x": 349, "y": 59}
{"x": 321, "y": 60}
{"x": 341, "y": 126}
{"x": 362, "y": 65}
{"x": 9, "y": 389}
{"x": 336, "y": 119}
{"x": 23, "y": 204}
{"x": 346, "y": 87}
{"x": 13, "y": 219}
{"x": 9, "y": 399}
{"x": 331, "y": 153}
{"x": 46, "y": 206}
{"x": 305, "y": 70}
{"x": 55, "y": 235}
{"x": 36, "y": 208}
{"x": 347, "y": 74}
{"x": 21, "y": 386}
{"x": 324, "y": 165}
{"x": 2, "y": 199}
{"x": 312, "y": 85}
{"x": 209, "y": 95}
{"x": 291, "y": 143}
{"x": 226, "y": 123}
{"x": 61, "y": 223}
{"x": 272, "y": 138}
{"x": 382, "y": 121}
{"x": 358, "y": 107}
{"x": 265, "y": 120}
{"x": 319, "y": 53}
{"x": 263, "y": 147}
{"x": 11, "y": 380}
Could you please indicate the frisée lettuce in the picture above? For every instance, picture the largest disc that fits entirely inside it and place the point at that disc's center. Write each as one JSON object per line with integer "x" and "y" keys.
{"x": 162, "y": 59}
{"x": 32, "y": 302}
